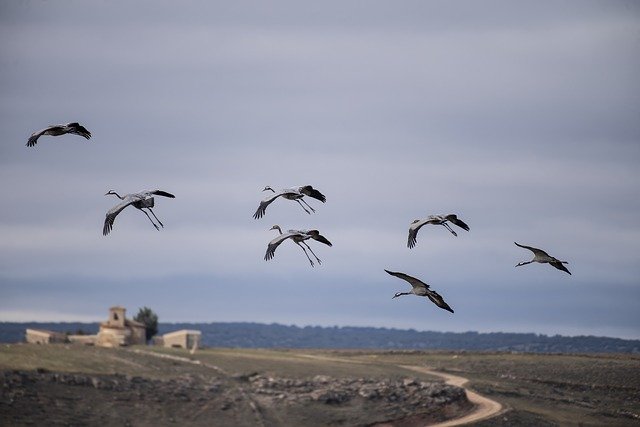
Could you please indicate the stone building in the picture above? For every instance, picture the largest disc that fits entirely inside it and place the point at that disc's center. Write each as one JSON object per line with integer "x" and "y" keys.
{"x": 119, "y": 331}
{"x": 42, "y": 336}
{"x": 184, "y": 338}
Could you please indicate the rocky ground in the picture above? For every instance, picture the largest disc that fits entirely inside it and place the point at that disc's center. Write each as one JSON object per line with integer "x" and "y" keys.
{"x": 41, "y": 397}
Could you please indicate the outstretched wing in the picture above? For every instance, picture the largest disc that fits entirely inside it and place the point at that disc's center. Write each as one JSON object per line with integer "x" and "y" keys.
{"x": 536, "y": 251}
{"x": 454, "y": 219}
{"x": 262, "y": 208}
{"x": 437, "y": 299}
{"x": 413, "y": 231}
{"x": 162, "y": 193}
{"x": 415, "y": 283}
{"x": 112, "y": 213}
{"x": 315, "y": 235}
{"x": 560, "y": 266}
{"x": 78, "y": 129}
{"x": 308, "y": 190}
{"x": 33, "y": 139}
{"x": 271, "y": 247}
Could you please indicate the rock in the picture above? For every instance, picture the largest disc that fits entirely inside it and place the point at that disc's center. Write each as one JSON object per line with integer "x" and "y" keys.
{"x": 368, "y": 392}
{"x": 409, "y": 382}
{"x": 322, "y": 379}
{"x": 329, "y": 396}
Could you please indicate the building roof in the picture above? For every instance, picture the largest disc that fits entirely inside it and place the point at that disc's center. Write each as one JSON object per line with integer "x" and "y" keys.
{"x": 130, "y": 322}
{"x": 182, "y": 332}
{"x": 44, "y": 332}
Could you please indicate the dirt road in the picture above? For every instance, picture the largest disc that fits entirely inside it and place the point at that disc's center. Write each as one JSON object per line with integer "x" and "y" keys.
{"x": 484, "y": 407}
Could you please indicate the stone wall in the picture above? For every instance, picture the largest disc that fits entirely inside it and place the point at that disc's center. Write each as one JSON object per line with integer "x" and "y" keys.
{"x": 38, "y": 336}
{"x": 112, "y": 337}
{"x": 184, "y": 339}
{"x": 83, "y": 339}
{"x": 138, "y": 335}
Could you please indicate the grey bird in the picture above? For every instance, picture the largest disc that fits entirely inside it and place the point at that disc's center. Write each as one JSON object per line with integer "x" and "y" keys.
{"x": 295, "y": 193}
{"x": 298, "y": 237}
{"x": 142, "y": 200}
{"x": 420, "y": 289}
{"x": 541, "y": 256}
{"x": 417, "y": 224}
{"x": 57, "y": 130}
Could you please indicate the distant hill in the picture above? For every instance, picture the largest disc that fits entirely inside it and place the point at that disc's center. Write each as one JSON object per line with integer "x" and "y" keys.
{"x": 259, "y": 335}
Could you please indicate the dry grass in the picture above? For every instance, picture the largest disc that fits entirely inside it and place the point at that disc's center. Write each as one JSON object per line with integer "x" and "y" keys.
{"x": 554, "y": 389}
{"x": 539, "y": 389}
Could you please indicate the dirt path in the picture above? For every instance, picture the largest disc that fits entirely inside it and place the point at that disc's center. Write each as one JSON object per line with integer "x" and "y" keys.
{"x": 484, "y": 407}
{"x": 181, "y": 359}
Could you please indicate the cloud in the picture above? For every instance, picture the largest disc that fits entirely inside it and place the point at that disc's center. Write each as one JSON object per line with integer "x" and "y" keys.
{"x": 522, "y": 121}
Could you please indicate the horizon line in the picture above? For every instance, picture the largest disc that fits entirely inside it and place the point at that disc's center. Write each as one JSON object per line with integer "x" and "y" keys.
{"x": 339, "y": 326}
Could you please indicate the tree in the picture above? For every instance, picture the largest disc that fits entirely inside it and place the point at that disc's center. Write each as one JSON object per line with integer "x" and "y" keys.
{"x": 147, "y": 317}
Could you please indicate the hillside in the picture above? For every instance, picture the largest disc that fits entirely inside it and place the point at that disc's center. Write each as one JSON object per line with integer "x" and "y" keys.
{"x": 258, "y": 335}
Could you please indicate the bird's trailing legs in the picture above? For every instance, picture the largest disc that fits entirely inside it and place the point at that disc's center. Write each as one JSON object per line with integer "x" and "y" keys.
{"x": 303, "y": 201}
{"x": 449, "y": 228}
{"x": 154, "y": 215}
{"x": 305, "y": 209}
{"x": 305, "y": 252}
{"x": 316, "y": 256}
{"x": 523, "y": 263}
{"x": 154, "y": 224}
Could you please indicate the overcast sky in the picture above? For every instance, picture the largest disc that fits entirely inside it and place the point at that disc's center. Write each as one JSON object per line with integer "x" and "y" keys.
{"x": 521, "y": 117}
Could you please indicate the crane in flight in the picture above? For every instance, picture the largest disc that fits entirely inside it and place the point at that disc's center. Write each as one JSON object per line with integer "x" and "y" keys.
{"x": 417, "y": 224}
{"x": 421, "y": 289}
{"x": 294, "y": 193}
{"x": 541, "y": 256}
{"x": 57, "y": 130}
{"x": 298, "y": 237}
{"x": 142, "y": 200}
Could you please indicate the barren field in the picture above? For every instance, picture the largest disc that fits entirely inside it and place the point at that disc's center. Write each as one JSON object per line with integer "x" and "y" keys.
{"x": 65, "y": 384}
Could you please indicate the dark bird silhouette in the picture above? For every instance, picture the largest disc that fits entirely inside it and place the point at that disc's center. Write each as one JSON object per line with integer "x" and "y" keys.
{"x": 541, "y": 256}
{"x": 420, "y": 289}
{"x": 57, "y": 130}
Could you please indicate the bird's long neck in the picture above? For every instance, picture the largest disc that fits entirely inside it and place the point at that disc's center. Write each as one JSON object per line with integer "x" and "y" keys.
{"x": 399, "y": 294}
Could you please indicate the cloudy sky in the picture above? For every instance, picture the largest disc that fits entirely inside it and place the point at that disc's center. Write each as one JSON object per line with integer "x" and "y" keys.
{"x": 524, "y": 119}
